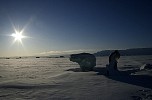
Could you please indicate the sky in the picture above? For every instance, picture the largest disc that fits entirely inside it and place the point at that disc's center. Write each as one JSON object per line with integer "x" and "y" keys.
{"x": 72, "y": 26}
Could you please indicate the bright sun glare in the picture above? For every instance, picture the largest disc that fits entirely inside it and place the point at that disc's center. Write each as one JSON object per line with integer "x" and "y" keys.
{"x": 18, "y": 36}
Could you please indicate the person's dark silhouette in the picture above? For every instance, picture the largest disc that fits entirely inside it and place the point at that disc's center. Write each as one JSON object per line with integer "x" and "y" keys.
{"x": 114, "y": 56}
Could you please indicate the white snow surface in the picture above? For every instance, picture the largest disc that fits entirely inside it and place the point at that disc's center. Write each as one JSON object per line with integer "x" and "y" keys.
{"x": 61, "y": 79}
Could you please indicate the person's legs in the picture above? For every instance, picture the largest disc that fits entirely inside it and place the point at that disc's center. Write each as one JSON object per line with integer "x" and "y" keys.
{"x": 115, "y": 66}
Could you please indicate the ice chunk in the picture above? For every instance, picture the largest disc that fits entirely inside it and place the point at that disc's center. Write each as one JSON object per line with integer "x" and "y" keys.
{"x": 146, "y": 66}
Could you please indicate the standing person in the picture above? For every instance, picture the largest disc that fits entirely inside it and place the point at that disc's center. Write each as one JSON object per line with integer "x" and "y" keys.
{"x": 113, "y": 59}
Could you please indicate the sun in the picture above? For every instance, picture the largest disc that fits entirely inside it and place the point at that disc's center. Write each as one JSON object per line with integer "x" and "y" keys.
{"x": 18, "y": 36}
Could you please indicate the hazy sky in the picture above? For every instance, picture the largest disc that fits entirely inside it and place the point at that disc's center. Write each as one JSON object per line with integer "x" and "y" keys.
{"x": 70, "y": 26}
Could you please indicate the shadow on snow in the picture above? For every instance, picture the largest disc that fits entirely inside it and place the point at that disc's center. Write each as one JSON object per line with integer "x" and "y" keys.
{"x": 124, "y": 76}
